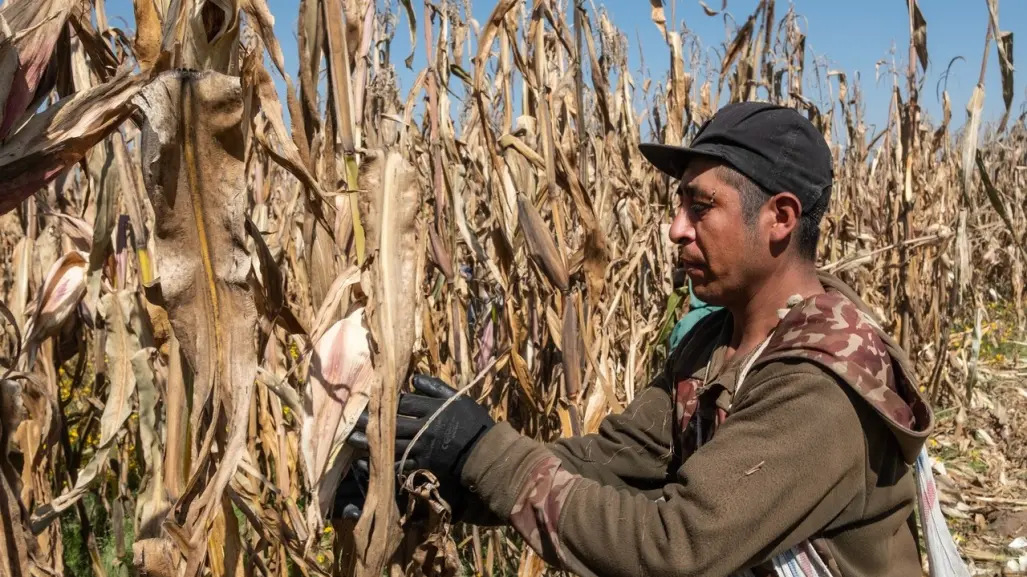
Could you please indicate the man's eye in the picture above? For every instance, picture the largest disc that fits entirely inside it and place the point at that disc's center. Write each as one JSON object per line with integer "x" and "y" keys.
{"x": 699, "y": 208}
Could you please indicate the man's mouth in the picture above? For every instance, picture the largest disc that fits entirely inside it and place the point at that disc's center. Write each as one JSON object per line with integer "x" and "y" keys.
{"x": 694, "y": 271}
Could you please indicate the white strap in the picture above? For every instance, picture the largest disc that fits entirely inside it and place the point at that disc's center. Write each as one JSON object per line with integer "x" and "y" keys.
{"x": 942, "y": 555}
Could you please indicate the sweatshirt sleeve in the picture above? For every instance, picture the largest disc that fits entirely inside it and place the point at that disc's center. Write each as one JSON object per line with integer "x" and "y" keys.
{"x": 787, "y": 460}
{"x": 631, "y": 450}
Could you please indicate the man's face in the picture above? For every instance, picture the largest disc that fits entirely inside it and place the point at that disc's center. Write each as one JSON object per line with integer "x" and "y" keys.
{"x": 720, "y": 252}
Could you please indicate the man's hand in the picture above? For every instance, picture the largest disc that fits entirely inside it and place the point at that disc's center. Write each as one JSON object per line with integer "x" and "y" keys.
{"x": 351, "y": 493}
{"x": 446, "y": 442}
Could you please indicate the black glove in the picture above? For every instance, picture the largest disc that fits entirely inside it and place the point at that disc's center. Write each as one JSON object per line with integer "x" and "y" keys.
{"x": 352, "y": 492}
{"x": 446, "y": 443}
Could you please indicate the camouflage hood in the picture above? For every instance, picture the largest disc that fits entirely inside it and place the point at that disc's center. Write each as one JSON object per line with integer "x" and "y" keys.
{"x": 836, "y": 330}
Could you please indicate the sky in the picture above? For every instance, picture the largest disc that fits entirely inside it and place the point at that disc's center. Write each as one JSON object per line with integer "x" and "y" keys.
{"x": 849, "y": 36}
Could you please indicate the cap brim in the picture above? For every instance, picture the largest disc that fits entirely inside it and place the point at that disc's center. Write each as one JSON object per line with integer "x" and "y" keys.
{"x": 673, "y": 160}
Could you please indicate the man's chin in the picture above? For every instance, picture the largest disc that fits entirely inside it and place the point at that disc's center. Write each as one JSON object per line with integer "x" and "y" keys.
{"x": 706, "y": 292}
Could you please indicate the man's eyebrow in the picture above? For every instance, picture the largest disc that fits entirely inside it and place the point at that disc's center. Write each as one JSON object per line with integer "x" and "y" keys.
{"x": 696, "y": 193}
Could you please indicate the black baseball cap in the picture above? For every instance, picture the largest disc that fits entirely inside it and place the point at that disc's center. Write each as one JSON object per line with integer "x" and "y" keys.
{"x": 775, "y": 146}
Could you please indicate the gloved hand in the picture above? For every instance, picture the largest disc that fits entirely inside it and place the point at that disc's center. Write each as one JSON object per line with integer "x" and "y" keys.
{"x": 352, "y": 492}
{"x": 446, "y": 443}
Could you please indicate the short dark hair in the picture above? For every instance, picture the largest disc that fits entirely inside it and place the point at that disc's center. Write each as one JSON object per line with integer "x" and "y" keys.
{"x": 753, "y": 196}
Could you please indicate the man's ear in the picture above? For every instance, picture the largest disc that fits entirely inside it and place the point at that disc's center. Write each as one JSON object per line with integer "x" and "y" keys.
{"x": 786, "y": 210}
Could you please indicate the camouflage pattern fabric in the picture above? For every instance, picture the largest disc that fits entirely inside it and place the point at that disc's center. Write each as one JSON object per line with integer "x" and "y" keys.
{"x": 686, "y": 401}
{"x": 537, "y": 512}
{"x": 829, "y": 330}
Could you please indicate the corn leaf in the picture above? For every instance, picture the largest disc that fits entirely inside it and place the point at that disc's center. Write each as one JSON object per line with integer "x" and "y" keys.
{"x": 659, "y": 17}
{"x": 127, "y": 360}
{"x": 16, "y": 541}
{"x": 58, "y": 137}
{"x": 340, "y": 86}
{"x": 970, "y": 133}
{"x": 919, "y": 33}
{"x": 1004, "y": 47}
{"x": 32, "y": 30}
{"x": 391, "y": 203}
{"x": 341, "y": 382}
{"x": 1005, "y": 43}
{"x": 412, "y": 19}
{"x": 995, "y": 197}
{"x": 192, "y": 150}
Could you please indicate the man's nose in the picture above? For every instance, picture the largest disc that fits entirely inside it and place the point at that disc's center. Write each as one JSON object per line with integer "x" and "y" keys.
{"x": 681, "y": 228}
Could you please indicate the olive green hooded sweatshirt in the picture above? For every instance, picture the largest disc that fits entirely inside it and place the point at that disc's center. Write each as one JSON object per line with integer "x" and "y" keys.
{"x": 702, "y": 475}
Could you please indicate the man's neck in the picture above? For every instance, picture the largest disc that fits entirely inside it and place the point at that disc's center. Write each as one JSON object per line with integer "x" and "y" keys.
{"x": 755, "y": 318}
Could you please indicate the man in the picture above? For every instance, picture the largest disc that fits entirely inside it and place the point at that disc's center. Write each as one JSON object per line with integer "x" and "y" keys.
{"x": 783, "y": 426}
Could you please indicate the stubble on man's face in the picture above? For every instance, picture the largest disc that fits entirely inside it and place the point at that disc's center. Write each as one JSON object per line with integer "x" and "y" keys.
{"x": 719, "y": 249}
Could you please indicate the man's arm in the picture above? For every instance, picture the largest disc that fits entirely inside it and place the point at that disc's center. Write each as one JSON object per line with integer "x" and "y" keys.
{"x": 789, "y": 458}
{"x": 631, "y": 450}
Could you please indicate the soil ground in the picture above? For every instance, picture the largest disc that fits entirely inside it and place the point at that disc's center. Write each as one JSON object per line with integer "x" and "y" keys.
{"x": 981, "y": 470}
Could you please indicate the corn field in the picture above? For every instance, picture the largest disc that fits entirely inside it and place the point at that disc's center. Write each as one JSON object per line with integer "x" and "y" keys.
{"x": 200, "y": 296}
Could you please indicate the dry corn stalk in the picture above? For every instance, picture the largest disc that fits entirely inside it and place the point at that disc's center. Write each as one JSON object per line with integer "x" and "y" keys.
{"x": 265, "y": 290}
{"x": 193, "y": 169}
